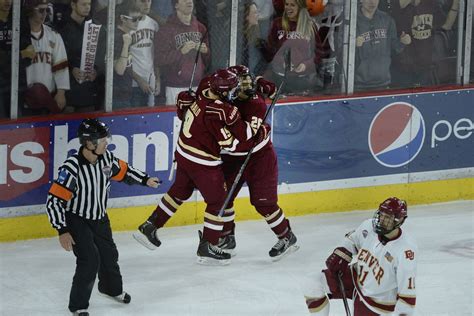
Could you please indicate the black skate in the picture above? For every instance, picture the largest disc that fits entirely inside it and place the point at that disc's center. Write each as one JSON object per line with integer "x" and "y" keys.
{"x": 209, "y": 254}
{"x": 122, "y": 298}
{"x": 81, "y": 312}
{"x": 227, "y": 244}
{"x": 147, "y": 235}
{"x": 284, "y": 246}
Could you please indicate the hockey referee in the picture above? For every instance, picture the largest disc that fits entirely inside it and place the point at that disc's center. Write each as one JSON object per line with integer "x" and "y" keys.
{"x": 76, "y": 208}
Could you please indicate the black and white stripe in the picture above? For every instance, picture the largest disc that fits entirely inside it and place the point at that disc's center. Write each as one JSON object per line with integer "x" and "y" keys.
{"x": 89, "y": 185}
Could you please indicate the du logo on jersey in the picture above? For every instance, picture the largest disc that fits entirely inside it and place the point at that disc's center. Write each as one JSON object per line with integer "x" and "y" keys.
{"x": 396, "y": 134}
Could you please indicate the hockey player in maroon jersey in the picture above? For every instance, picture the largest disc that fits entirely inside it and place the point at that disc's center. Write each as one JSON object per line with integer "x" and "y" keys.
{"x": 210, "y": 123}
{"x": 261, "y": 172}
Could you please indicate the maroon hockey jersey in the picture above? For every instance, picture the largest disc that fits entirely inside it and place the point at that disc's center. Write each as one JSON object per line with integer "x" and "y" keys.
{"x": 203, "y": 136}
{"x": 253, "y": 112}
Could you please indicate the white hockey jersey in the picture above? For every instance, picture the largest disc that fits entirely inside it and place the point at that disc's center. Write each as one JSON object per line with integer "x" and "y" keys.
{"x": 143, "y": 50}
{"x": 384, "y": 275}
{"x": 50, "y": 64}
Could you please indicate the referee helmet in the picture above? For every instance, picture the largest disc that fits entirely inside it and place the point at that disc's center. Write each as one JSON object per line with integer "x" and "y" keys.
{"x": 92, "y": 130}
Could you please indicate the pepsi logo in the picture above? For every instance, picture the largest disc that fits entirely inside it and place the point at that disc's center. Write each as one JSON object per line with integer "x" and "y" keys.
{"x": 396, "y": 134}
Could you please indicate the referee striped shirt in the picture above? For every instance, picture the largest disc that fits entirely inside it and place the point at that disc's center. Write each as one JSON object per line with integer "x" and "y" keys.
{"x": 83, "y": 188}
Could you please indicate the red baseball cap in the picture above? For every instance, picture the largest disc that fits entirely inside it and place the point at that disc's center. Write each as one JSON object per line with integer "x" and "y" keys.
{"x": 37, "y": 96}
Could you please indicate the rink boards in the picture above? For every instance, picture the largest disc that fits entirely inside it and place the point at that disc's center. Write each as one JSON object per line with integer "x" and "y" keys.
{"x": 334, "y": 155}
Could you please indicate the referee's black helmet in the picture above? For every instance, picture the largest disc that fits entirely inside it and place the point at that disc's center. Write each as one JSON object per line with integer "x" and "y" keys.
{"x": 92, "y": 130}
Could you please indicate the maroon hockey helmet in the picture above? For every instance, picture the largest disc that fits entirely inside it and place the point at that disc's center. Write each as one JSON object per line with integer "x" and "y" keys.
{"x": 390, "y": 215}
{"x": 239, "y": 70}
{"x": 224, "y": 83}
{"x": 246, "y": 79}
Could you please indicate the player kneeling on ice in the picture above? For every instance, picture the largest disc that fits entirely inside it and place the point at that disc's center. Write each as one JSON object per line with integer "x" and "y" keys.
{"x": 375, "y": 266}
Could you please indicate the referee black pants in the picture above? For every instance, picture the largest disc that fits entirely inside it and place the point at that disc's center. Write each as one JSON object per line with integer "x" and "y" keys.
{"x": 95, "y": 252}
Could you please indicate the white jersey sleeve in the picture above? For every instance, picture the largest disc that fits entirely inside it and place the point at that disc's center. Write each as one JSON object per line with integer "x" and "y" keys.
{"x": 352, "y": 240}
{"x": 406, "y": 273}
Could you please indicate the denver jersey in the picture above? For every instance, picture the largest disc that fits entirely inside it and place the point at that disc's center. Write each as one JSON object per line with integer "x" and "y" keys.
{"x": 383, "y": 274}
{"x": 50, "y": 64}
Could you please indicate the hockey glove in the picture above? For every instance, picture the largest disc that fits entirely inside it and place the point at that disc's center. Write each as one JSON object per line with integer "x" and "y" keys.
{"x": 338, "y": 260}
{"x": 185, "y": 99}
{"x": 262, "y": 133}
{"x": 223, "y": 111}
{"x": 266, "y": 87}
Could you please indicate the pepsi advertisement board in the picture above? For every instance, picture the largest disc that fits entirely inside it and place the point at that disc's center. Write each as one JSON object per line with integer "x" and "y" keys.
{"x": 363, "y": 138}
{"x": 317, "y": 142}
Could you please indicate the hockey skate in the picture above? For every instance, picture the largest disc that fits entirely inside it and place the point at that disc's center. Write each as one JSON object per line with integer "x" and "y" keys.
{"x": 209, "y": 254}
{"x": 122, "y": 298}
{"x": 147, "y": 235}
{"x": 283, "y": 247}
{"x": 81, "y": 312}
{"x": 227, "y": 244}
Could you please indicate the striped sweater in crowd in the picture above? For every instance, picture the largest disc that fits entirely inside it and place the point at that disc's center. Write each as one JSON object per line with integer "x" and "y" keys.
{"x": 83, "y": 188}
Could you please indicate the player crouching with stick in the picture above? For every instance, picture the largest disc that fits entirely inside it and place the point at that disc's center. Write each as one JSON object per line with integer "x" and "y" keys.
{"x": 375, "y": 266}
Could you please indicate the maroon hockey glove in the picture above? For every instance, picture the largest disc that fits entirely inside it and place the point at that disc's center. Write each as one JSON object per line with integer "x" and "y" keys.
{"x": 224, "y": 112}
{"x": 262, "y": 133}
{"x": 338, "y": 260}
{"x": 266, "y": 87}
{"x": 185, "y": 99}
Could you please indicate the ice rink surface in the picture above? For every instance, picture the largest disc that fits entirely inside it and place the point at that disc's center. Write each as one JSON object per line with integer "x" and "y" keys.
{"x": 36, "y": 275}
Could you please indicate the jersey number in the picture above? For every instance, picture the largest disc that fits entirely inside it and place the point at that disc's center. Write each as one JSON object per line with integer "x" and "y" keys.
{"x": 188, "y": 121}
{"x": 362, "y": 275}
{"x": 411, "y": 283}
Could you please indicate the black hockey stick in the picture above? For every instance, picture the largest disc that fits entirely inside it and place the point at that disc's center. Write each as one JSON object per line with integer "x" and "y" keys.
{"x": 247, "y": 158}
{"x": 196, "y": 61}
{"x": 343, "y": 291}
{"x": 190, "y": 90}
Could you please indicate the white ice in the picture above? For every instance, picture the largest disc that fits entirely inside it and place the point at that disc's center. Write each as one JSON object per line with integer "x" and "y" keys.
{"x": 36, "y": 275}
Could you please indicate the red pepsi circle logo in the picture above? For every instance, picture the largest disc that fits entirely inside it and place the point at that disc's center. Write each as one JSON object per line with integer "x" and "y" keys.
{"x": 396, "y": 134}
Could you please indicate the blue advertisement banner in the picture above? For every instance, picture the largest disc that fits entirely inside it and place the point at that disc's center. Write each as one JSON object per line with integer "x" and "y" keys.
{"x": 315, "y": 141}
{"x": 368, "y": 137}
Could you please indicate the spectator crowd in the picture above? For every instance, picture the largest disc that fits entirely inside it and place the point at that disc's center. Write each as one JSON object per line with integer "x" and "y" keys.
{"x": 164, "y": 46}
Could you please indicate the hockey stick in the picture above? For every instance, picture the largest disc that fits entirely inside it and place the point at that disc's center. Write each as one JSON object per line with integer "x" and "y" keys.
{"x": 190, "y": 90}
{"x": 343, "y": 291}
{"x": 247, "y": 158}
{"x": 196, "y": 61}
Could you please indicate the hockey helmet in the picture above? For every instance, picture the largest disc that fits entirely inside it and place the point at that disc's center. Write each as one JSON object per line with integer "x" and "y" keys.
{"x": 224, "y": 83}
{"x": 92, "y": 130}
{"x": 246, "y": 79}
{"x": 239, "y": 70}
{"x": 390, "y": 215}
